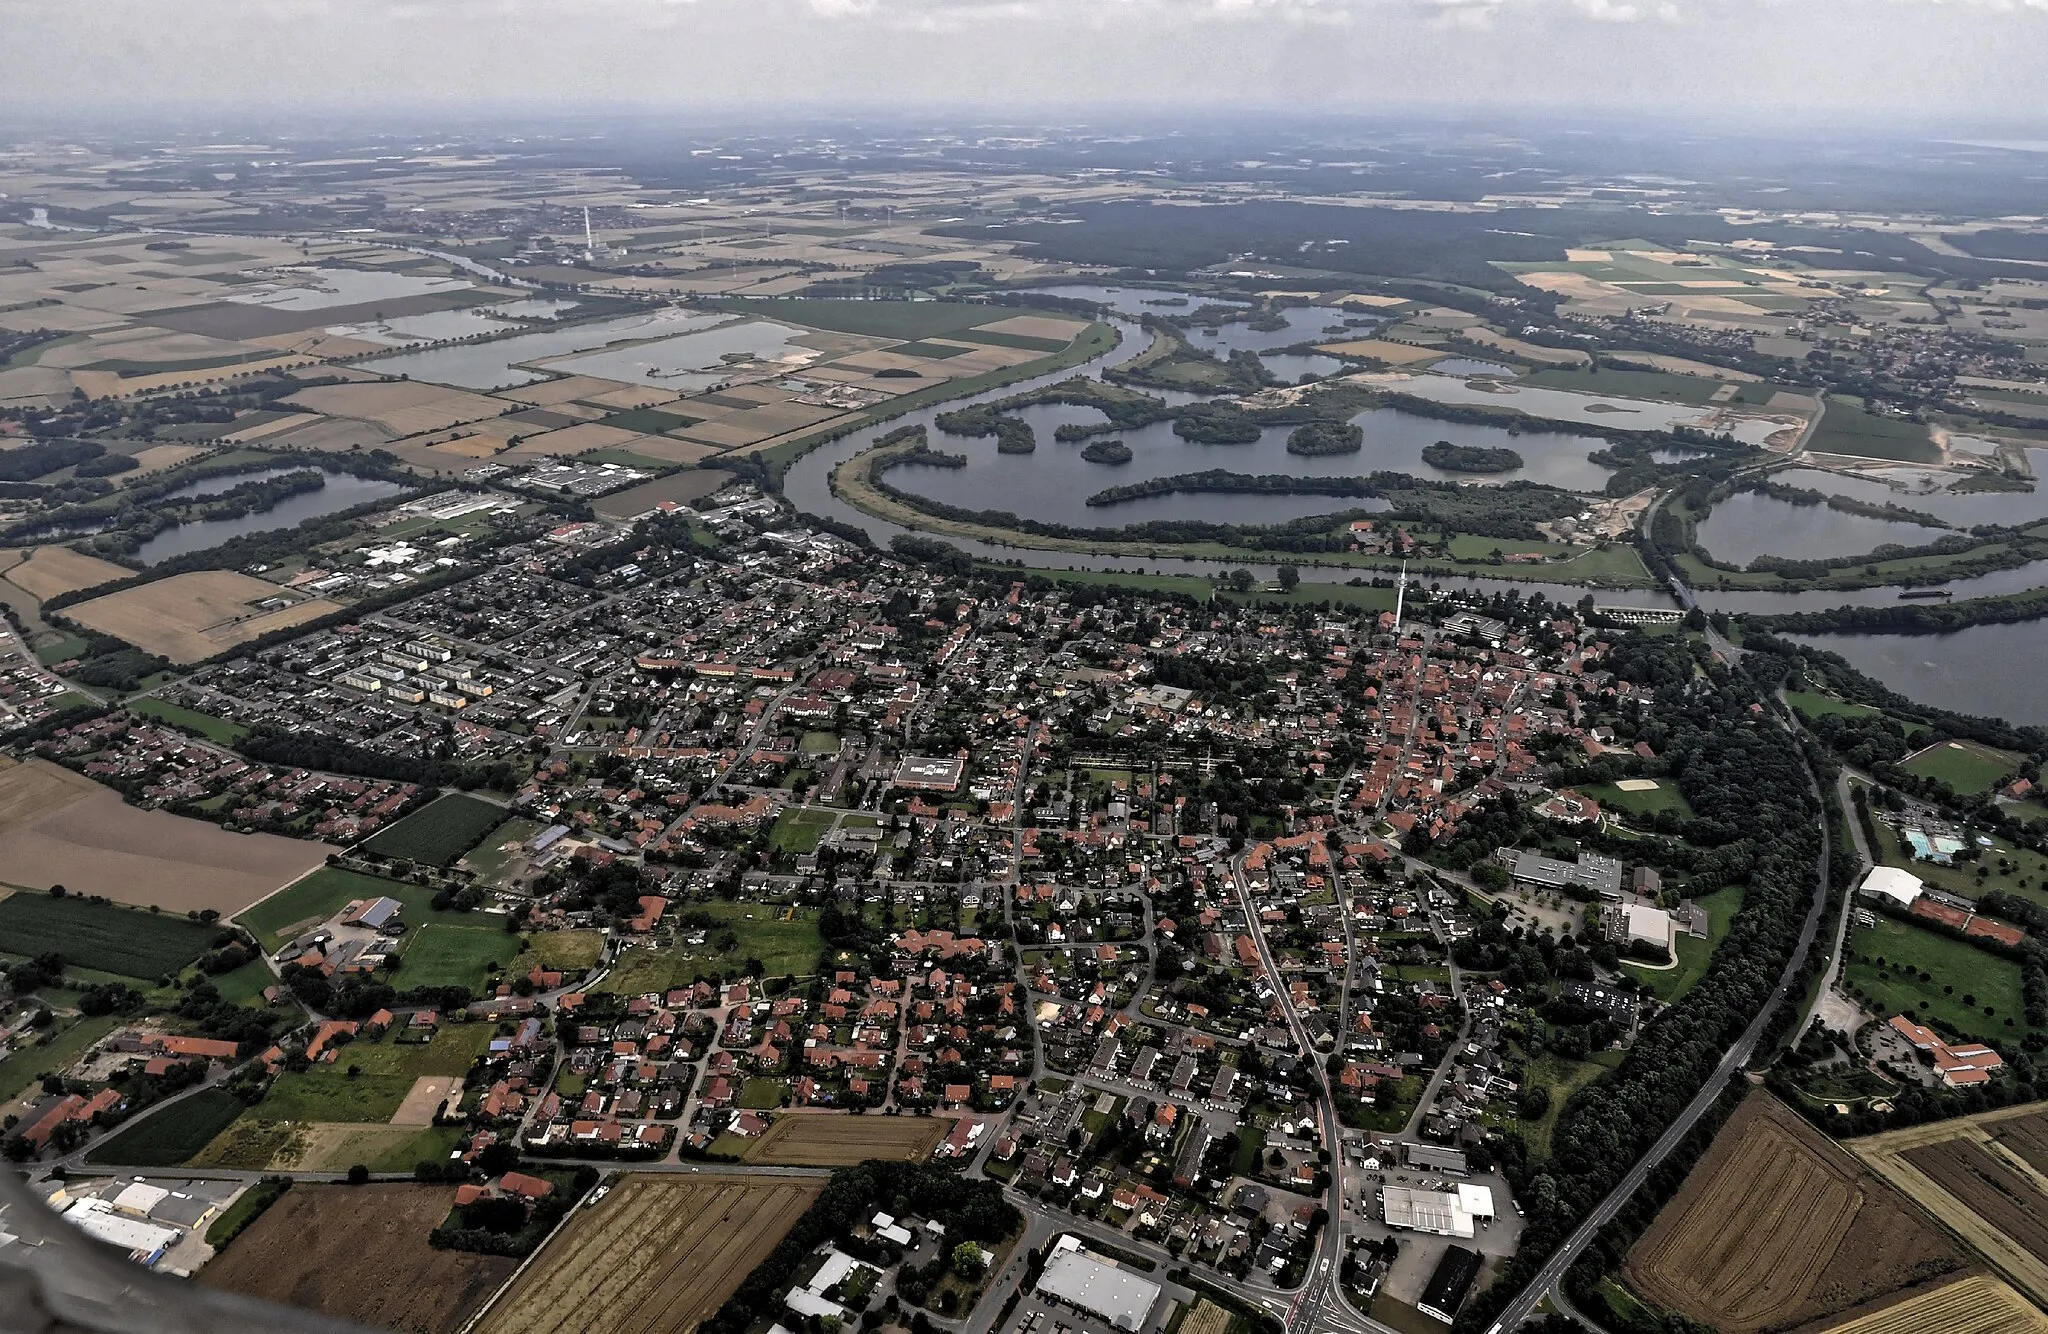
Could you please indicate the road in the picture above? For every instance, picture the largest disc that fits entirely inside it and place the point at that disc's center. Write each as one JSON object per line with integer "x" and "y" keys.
{"x": 1737, "y": 1056}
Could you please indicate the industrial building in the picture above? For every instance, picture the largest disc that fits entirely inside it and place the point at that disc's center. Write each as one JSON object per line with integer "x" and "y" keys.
{"x": 1445, "y": 1213}
{"x": 1449, "y": 1284}
{"x": 1124, "y": 1299}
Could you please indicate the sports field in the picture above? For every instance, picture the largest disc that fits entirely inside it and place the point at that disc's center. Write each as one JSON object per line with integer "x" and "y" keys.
{"x": 439, "y": 955}
{"x": 1966, "y": 766}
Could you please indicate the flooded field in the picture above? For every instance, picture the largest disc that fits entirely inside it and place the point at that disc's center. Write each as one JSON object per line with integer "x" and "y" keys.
{"x": 498, "y": 364}
{"x": 319, "y": 288}
{"x": 689, "y": 362}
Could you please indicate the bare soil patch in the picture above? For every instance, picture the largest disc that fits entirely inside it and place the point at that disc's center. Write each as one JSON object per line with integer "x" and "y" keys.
{"x": 428, "y": 1093}
{"x": 188, "y": 617}
{"x": 1776, "y": 1226}
{"x": 48, "y": 571}
{"x": 55, "y": 832}
{"x": 360, "y": 1253}
{"x": 823, "y": 1139}
{"x": 658, "y": 1256}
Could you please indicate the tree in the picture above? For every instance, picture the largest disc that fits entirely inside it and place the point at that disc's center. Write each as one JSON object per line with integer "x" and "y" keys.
{"x": 1290, "y": 577}
{"x": 358, "y": 1175}
{"x": 968, "y": 1261}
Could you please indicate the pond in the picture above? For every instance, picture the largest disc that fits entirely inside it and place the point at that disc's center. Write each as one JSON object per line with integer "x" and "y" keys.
{"x": 319, "y": 288}
{"x": 1291, "y": 366}
{"x": 497, "y": 364}
{"x": 341, "y": 491}
{"x": 1749, "y": 524}
{"x": 1986, "y": 669}
{"x": 1472, "y": 366}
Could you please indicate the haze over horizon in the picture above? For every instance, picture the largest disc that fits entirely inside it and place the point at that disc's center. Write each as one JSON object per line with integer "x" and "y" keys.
{"x": 1934, "y": 61}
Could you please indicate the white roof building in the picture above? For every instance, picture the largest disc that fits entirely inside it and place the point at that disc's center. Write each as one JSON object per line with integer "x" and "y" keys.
{"x": 1079, "y": 1279}
{"x": 1889, "y": 882}
{"x": 1652, "y": 926}
{"x": 140, "y": 1199}
{"x": 144, "y": 1242}
{"x": 1443, "y": 1213}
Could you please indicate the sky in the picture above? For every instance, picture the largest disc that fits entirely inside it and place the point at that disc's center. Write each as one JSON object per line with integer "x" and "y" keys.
{"x": 1959, "y": 61}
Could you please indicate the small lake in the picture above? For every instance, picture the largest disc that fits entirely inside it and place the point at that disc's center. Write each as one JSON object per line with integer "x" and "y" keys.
{"x": 342, "y": 491}
{"x": 533, "y": 308}
{"x": 691, "y": 361}
{"x": 1749, "y": 524}
{"x": 498, "y": 364}
{"x": 321, "y": 288}
{"x": 1927, "y": 491}
{"x": 1986, "y": 669}
{"x": 1629, "y": 414}
{"x": 1291, "y": 366}
{"x": 1472, "y": 366}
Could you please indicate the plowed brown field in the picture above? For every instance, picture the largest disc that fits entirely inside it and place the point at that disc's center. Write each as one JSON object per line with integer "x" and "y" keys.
{"x": 1979, "y": 1304}
{"x": 824, "y": 1140}
{"x": 1760, "y": 1234}
{"x": 657, "y": 1256}
{"x": 360, "y": 1253}
{"x": 2026, "y": 1136}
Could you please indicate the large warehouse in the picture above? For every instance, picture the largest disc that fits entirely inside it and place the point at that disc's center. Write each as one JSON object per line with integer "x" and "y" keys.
{"x": 1445, "y": 1213}
{"x": 1085, "y": 1283}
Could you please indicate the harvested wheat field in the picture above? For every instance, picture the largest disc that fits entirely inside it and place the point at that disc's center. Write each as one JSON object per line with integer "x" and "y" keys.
{"x": 1381, "y": 349}
{"x": 824, "y": 1139}
{"x": 360, "y": 1253}
{"x": 44, "y": 572}
{"x": 658, "y": 1256}
{"x": 190, "y": 617}
{"x": 1776, "y": 1226}
{"x": 1979, "y": 1304}
{"x": 58, "y": 828}
{"x": 1974, "y": 1175}
{"x": 402, "y": 407}
{"x": 2025, "y": 1136}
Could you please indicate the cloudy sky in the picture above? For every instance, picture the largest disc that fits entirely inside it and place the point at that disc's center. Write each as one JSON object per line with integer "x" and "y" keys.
{"x": 1939, "y": 59}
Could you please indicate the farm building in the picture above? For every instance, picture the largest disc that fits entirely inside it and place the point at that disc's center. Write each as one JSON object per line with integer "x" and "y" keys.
{"x": 1449, "y": 1284}
{"x": 1889, "y": 882}
{"x": 375, "y": 914}
{"x": 1443, "y": 1213}
{"x": 1075, "y": 1277}
{"x": 1433, "y": 1156}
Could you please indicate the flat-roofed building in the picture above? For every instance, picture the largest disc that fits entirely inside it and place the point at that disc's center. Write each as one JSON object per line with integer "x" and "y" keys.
{"x": 1087, "y": 1283}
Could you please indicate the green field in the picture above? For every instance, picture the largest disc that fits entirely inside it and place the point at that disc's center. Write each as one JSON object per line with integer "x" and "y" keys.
{"x": 1813, "y": 705}
{"x": 762, "y": 1094}
{"x": 1668, "y": 984}
{"x": 60, "y": 1047}
{"x": 1964, "y": 765}
{"x": 1627, "y": 383}
{"x": 819, "y": 743}
{"x": 1956, "y": 971}
{"x": 217, "y": 730}
{"x": 438, "y": 955}
{"x": 566, "y": 951}
{"x": 245, "y": 985}
{"x": 647, "y": 421}
{"x": 783, "y": 947}
{"x": 326, "y": 891}
{"x": 70, "y": 646}
{"x": 1848, "y": 429}
{"x": 800, "y": 831}
{"x": 880, "y": 319}
{"x": 1664, "y": 797}
{"x": 488, "y": 859}
{"x": 167, "y": 1136}
{"x": 99, "y": 935}
{"x": 386, "y": 1071}
{"x": 1563, "y": 1078}
{"x": 439, "y": 832}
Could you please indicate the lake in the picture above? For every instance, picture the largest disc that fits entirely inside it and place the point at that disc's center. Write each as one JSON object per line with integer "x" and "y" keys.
{"x": 320, "y": 288}
{"x": 1132, "y": 301}
{"x": 438, "y": 326}
{"x": 1925, "y": 490}
{"x": 1986, "y": 669}
{"x": 690, "y": 362}
{"x": 342, "y": 491}
{"x": 497, "y": 364}
{"x": 1628, "y": 414}
{"x": 1749, "y": 524}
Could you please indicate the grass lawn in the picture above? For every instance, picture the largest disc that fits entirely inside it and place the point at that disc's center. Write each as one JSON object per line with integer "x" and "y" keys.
{"x": 386, "y": 1071}
{"x": 489, "y": 858}
{"x": 782, "y": 947}
{"x": 800, "y": 831}
{"x": 326, "y": 891}
{"x": 1813, "y": 705}
{"x": 1663, "y": 797}
{"x": 1563, "y": 1078}
{"x": 439, "y": 832}
{"x": 1963, "y": 980}
{"x": 760, "y": 1094}
{"x": 567, "y": 951}
{"x": 217, "y": 730}
{"x": 70, "y": 646}
{"x": 438, "y": 955}
{"x": 819, "y": 743}
{"x": 2015, "y": 870}
{"x": 244, "y": 986}
{"x": 167, "y": 1136}
{"x": 1668, "y": 984}
{"x": 128, "y": 941}
{"x": 60, "y": 1047}
{"x": 1966, "y": 766}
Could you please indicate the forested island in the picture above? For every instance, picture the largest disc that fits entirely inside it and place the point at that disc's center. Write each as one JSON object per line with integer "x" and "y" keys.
{"x": 1326, "y": 437}
{"x": 1106, "y": 451}
{"x": 1470, "y": 458}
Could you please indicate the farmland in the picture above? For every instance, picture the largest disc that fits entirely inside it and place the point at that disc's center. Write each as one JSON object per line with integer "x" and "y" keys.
{"x": 1964, "y": 765}
{"x": 191, "y": 617}
{"x": 99, "y": 935}
{"x": 804, "y": 1140}
{"x": 314, "y": 1247}
{"x": 386, "y": 1071}
{"x": 1775, "y": 1226}
{"x": 1974, "y": 1174}
{"x": 693, "y": 1241}
{"x": 1979, "y": 1304}
{"x": 57, "y": 827}
{"x": 169, "y": 1135}
{"x": 439, "y": 832}
{"x": 47, "y": 571}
